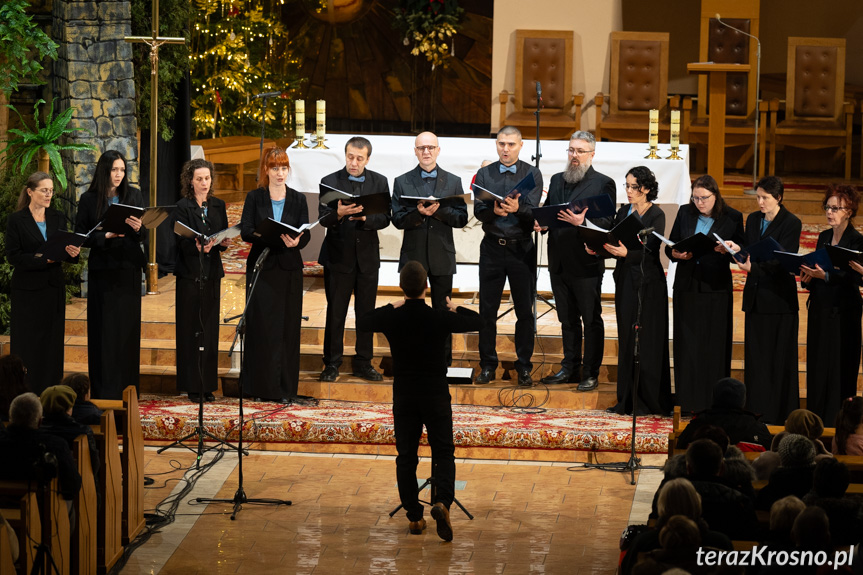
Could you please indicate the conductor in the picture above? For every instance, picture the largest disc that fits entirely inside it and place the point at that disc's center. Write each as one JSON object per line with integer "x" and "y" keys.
{"x": 417, "y": 334}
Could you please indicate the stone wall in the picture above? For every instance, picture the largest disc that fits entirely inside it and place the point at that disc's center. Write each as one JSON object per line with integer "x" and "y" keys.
{"x": 94, "y": 75}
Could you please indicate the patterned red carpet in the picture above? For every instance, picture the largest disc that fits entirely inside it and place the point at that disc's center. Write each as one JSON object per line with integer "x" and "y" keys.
{"x": 341, "y": 422}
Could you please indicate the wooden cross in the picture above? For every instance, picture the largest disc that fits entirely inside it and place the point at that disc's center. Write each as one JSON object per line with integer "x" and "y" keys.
{"x": 154, "y": 41}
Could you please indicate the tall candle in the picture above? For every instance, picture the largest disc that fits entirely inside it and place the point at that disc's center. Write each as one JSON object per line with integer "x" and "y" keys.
{"x": 321, "y": 118}
{"x": 300, "y": 118}
{"x": 675, "y": 129}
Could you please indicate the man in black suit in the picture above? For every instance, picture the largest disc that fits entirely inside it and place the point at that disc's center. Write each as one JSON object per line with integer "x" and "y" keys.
{"x": 576, "y": 276}
{"x": 428, "y": 225}
{"x": 417, "y": 335}
{"x": 351, "y": 258}
{"x": 507, "y": 252}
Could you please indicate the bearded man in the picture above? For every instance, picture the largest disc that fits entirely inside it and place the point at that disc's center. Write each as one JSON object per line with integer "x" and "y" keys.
{"x": 576, "y": 276}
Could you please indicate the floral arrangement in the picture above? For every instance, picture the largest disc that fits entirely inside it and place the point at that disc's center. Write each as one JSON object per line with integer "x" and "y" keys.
{"x": 430, "y": 25}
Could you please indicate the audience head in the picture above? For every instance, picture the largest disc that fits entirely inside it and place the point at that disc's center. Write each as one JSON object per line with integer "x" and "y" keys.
{"x": 509, "y": 144}
{"x": 271, "y": 165}
{"x": 13, "y": 382}
{"x": 674, "y": 466}
{"x": 715, "y": 434}
{"x": 644, "y": 181}
{"x": 846, "y": 197}
{"x": 706, "y": 198}
{"x": 412, "y": 280}
{"x": 57, "y": 399}
{"x": 831, "y": 478}
{"x": 37, "y": 183}
{"x": 796, "y": 451}
{"x": 678, "y": 497}
{"x": 729, "y": 393}
{"x": 849, "y": 418}
{"x": 704, "y": 458}
{"x": 25, "y": 411}
{"x": 196, "y": 175}
{"x": 811, "y": 529}
{"x": 738, "y": 472}
{"x": 80, "y": 384}
{"x": 358, "y": 150}
{"x": 783, "y": 512}
{"x": 679, "y": 532}
{"x": 804, "y": 422}
{"x": 734, "y": 452}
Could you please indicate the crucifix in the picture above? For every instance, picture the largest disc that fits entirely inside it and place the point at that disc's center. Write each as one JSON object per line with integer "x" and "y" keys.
{"x": 154, "y": 41}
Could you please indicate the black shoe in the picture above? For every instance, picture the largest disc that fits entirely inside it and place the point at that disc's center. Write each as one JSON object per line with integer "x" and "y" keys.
{"x": 524, "y": 379}
{"x": 209, "y": 396}
{"x": 589, "y": 384}
{"x": 616, "y": 408}
{"x": 194, "y": 397}
{"x": 562, "y": 376}
{"x": 283, "y": 401}
{"x": 486, "y": 375}
{"x": 330, "y": 373}
{"x": 368, "y": 373}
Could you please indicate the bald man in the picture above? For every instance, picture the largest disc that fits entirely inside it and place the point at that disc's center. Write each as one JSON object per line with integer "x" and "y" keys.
{"x": 428, "y": 225}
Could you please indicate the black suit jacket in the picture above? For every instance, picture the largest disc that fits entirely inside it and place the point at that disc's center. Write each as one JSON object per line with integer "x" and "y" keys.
{"x": 258, "y": 208}
{"x": 654, "y": 217}
{"x": 519, "y": 224}
{"x": 841, "y": 288}
{"x": 769, "y": 288}
{"x": 114, "y": 253}
{"x": 349, "y": 243}
{"x": 428, "y": 241}
{"x": 711, "y": 271}
{"x": 566, "y": 253}
{"x": 188, "y": 256}
{"x": 23, "y": 240}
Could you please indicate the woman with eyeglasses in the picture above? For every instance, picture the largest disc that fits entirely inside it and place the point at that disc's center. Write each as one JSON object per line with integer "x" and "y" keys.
{"x": 654, "y": 377}
{"x": 115, "y": 267}
{"x": 770, "y": 304}
{"x": 37, "y": 333}
{"x": 274, "y": 312}
{"x": 702, "y": 296}
{"x": 835, "y": 308}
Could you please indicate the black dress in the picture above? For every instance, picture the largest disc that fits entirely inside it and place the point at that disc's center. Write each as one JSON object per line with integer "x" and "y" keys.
{"x": 273, "y": 315}
{"x": 113, "y": 300}
{"x": 38, "y": 300}
{"x": 702, "y": 310}
{"x": 654, "y": 383}
{"x": 190, "y": 310}
{"x": 833, "y": 333}
{"x": 771, "y": 323}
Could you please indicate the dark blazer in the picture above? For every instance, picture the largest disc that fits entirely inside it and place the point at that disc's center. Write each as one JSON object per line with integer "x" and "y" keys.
{"x": 654, "y": 217}
{"x": 769, "y": 288}
{"x": 428, "y": 240}
{"x": 710, "y": 272}
{"x": 23, "y": 240}
{"x": 566, "y": 253}
{"x": 349, "y": 243}
{"x": 114, "y": 253}
{"x": 258, "y": 208}
{"x": 519, "y": 224}
{"x": 841, "y": 288}
{"x": 188, "y": 256}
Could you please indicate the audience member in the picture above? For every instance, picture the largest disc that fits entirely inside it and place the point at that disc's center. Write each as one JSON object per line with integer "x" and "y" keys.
{"x": 680, "y": 539}
{"x": 57, "y": 403}
{"x": 803, "y": 422}
{"x": 743, "y": 427}
{"x": 794, "y": 474}
{"x": 13, "y": 382}
{"x": 782, "y": 515}
{"x": 84, "y": 411}
{"x": 811, "y": 532}
{"x": 831, "y": 480}
{"x": 849, "y": 428}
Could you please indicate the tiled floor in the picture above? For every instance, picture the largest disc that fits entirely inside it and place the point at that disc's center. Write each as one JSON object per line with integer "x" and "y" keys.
{"x": 529, "y": 518}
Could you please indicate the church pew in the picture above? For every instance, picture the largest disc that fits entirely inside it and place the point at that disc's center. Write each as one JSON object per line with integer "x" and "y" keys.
{"x": 108, "y": 545}
{"x": 55, "y": 510}
{"x": 86, "y": 515}
{"x": 7, "y": 565}
{"x": 128, "y": 420}
{"x": 24, "y": 519}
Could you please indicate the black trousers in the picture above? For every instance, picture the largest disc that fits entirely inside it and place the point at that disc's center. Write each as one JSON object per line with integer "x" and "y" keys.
{"x": 441, "y": 288}
{"x": 338, "y": 288}
{"x": 410, "y": 413}
{"x": 578, "y": 301}
{"x": 515, "y": 261}
{"x": 38, "y": 334}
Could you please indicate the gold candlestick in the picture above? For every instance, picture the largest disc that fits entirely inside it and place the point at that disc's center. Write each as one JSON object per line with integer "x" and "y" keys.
{"x": 320, "y": 131}
{"x": 300, "y": 121}
{"x": 675, "y": 136}
{"x": 653, "y": 135}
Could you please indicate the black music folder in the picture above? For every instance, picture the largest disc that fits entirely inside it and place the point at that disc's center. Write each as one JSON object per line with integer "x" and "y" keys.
{"x": 54, "y": 248}
{"x": 626, "y": 232}
{"x": 600, "y": 206}
{"x": 372, "y": 204}
{"x": 523, "y": 187}
{"x": 115, "y": 218}
{"x": 842, "y": 257}
{"x": 444, "y": 201}
{"x": 759, "y": 252}
{"x": 792, "y": 262}
{"x": 185, "y": 231}
{"x": 696, "y": 244}
{"x": 270, "y": 230}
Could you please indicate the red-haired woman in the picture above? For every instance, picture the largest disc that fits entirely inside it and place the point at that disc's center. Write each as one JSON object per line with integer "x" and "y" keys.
{"x": 272, "y": 346}
{"x": 835, "y": 308}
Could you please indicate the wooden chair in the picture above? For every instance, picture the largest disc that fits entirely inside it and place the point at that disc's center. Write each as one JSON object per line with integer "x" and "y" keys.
{"x": 638, "y": 83}
{"x": 30, "y": 531}
{"x": 24, "y": 520}
{"x": 7, "y": 564}
{"x": 722, "y": 45}
{"x": 543, "y": 56}
{"x": 86, "y": 529}
{"x": 109, "y": 521}
{"x": 816, "y": 113}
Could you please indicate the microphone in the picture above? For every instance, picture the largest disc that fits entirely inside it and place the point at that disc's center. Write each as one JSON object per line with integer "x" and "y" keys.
{"x": 204, "y": 212}
{"x": 646, "y": 232}
{"x": 261, "y": 259}
{"x": 270, "y": 95}
{"x": 539, "y": 91}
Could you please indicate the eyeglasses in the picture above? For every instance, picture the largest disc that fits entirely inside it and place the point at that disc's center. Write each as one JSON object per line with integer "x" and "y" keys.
{"x": 832, "y": 209}
{"x": 426, "y": 148}
{"x": 574, "y": 152}
{"x": 45, "y": 191}
{"x": 632, "y": 187}
{"x": 701, "y": 199}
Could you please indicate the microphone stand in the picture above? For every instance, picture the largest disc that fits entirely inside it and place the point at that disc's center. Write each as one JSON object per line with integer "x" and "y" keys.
{"x": 240, "y": 496}
{"x": 264, "y": 98}
{"x": 536, "y": 295}
{"x": 757, "y": 102}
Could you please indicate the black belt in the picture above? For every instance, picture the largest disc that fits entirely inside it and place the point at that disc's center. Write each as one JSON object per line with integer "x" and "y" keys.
{"x": 507, "y": 241}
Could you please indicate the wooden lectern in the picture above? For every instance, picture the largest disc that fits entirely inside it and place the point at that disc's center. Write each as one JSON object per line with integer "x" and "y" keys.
{"x": 716, "y": 123}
